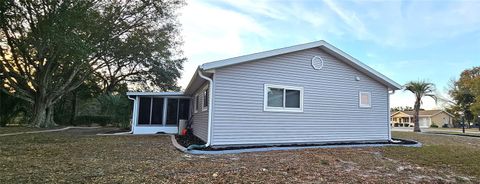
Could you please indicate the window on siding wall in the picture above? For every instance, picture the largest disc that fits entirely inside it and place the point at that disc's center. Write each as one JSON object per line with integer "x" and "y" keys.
{"x": 365, "y": 99}
{"x": 205, "y": 100}
{"x": 283, "y": 98}
{"x": 196, "y": 102}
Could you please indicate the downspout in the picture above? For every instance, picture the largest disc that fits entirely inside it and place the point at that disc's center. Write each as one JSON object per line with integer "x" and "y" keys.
{"x": 133, "y": 113}
{"x": 389, "y": 121}
{"x": 210, "y": 92}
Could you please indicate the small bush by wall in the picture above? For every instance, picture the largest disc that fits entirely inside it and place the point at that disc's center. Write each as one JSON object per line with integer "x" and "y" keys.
{"x": 433, "y": 126}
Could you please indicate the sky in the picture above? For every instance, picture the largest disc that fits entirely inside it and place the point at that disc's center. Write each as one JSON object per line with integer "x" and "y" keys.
{"x": 404, "y": 40}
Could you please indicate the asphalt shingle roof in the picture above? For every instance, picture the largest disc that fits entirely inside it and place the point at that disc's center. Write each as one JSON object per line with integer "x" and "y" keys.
{"x": 423, "y": 112}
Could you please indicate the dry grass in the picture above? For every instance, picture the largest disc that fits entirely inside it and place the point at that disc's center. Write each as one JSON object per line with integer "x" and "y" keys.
{"x": 6, "y": 130}
{"x": 457, "y": 153}
{"x": 79, "y": 156}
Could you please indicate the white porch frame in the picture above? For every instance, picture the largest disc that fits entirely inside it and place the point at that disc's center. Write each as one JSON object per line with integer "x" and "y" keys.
{"x": 154, "y": 128}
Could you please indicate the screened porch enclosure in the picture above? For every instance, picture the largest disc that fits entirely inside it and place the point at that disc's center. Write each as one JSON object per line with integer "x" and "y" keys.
{"x": 160, "y": 114}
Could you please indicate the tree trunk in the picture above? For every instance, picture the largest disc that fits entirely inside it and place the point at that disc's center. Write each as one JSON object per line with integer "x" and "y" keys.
{"x": 49, "y": 122}
{"x": 74, "y": 108}
{"x": 416, "y": 127}
{"x": 42, "y": 114}
{"x": 110, "y": 88}
{"x": 39, "y": 114}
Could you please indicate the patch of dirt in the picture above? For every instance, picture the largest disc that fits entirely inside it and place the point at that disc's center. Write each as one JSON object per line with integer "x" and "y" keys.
{"x": 188, "y": 139}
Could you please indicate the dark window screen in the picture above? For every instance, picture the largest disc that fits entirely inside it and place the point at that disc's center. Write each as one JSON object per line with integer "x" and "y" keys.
{"x": 205, "y": 100}
{"x": 172, "y": 111}
{"x": 184, "y": 109}
{"x": 197, "y": 101}
{"x": 292, "y": 98}
{"x": 144, "y": 111}
{"x": 157, "y": 110}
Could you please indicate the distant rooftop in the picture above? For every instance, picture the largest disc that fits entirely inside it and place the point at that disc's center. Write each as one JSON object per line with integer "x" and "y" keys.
{"x": 423, "y": 112}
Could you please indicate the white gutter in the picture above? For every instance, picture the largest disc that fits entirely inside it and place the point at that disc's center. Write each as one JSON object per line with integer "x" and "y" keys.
{"x": 210, "y": 91}
{"x": 389, "y": 117}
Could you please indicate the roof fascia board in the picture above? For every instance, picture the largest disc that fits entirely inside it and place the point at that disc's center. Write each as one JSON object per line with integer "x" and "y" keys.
{"x": 451, "y": 115}
{"x": 362, "y": 66}
{"x": 192, "y": 79}
{"x": 322, "y": 44}
{"x": 395, "y": 113}
{"x": 441, "y": 112}
{"x": 155, "y": 93}
{"x": 259, "y": 55}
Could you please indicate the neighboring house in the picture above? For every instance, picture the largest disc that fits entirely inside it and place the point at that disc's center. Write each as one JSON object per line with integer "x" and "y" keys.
{"x": 309, "y": 93}
{"x": 426, "y": 119}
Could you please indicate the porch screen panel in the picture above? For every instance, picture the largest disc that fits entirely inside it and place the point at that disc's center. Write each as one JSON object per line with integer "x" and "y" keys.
{"x": 157, "y": 110}
{"x": 183, "y": 109}
{"x": 172, "y": 111}
{"x": 144, "y": 111}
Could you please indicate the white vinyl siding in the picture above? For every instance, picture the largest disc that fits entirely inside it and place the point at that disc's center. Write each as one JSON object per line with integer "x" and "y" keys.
{"x": 280, "y": 98}
{"x": 200, "y": 117}
{"x": 330, "y": 111}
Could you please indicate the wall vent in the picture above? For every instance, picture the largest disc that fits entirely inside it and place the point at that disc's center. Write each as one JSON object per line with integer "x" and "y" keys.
{"x": 317, "y": 62}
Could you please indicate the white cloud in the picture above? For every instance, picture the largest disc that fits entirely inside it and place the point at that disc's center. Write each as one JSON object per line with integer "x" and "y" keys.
{"x": 221, "y": 29}
{"x": 406, "y": 98}
{"x": 212, "y": 33}
{"x": 268, "y": 8}
{"x": 422, "y": 23}
{"x": 355, "y": 25}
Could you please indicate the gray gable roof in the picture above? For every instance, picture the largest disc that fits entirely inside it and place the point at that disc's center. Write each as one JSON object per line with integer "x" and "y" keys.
{"x": 424, "y": 112}
{"x": 318, "y": 44}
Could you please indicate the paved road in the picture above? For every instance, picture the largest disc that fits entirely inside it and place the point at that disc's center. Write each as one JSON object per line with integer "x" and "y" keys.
{"x": 410, "y": 129}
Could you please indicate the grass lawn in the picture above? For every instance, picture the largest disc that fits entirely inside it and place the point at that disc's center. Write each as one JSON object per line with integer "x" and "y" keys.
{"x": 79, "y": 156}
{"x": 458, "y": 153}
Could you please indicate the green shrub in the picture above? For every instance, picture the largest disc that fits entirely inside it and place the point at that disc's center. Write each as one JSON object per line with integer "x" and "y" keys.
{"x": 118, "y": 107}
{"x": 11, "y": 108}
{"x": 89, "y": 120}
{"x": 445, "y": 126}
{"x": 433, "y": 126}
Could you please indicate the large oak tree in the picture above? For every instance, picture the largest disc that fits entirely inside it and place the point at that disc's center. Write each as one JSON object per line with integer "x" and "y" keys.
{"x": 49, "y": 47}
{"x": 466, "y": 93}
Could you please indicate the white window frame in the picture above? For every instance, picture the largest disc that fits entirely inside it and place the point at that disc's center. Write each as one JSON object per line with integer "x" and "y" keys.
{"x": 195, "y": 101}
{"x": 360, "y": 99}
{"x": 204, "y": 96}
{"x": 281, "y": 109}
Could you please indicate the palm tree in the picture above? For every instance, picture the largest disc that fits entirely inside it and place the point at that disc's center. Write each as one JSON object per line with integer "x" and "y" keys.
{"x": 419, "y": 89}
